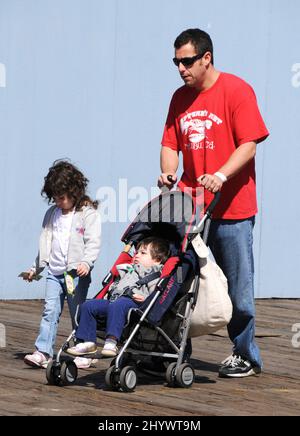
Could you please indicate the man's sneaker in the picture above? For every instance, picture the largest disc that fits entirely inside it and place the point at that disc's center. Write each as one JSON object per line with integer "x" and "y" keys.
{"x": 82, "y": 348}
{"x": 36, "y": 359}
{"x": 110, "y": 348}
{"x": 236, "y": 366}
{"x": 84, "y": 362}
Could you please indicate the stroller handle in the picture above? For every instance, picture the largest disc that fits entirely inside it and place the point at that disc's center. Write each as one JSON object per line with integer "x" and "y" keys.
{"x": 204, "y": 224}
{"x": 165, "y": 189}
{"x": 213, "y": 203}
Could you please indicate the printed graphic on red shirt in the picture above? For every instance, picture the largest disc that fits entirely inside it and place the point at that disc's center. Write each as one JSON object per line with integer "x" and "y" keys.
{"x": 196, "y": 130}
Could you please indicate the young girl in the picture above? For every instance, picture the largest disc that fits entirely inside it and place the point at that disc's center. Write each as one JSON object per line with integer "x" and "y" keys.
{"x": 69, "y": 245}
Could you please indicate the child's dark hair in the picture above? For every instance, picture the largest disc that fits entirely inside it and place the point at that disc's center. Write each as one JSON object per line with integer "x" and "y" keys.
{"x": 159, "y": 248}
{"x": 64, "y": 178}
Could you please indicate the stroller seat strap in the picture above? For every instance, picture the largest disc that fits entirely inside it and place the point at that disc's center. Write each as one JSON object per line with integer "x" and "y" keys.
{"x": 147, "y": 279}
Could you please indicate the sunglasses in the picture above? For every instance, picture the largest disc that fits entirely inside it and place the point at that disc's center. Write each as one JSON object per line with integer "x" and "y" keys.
{"x": 187, "y": 62}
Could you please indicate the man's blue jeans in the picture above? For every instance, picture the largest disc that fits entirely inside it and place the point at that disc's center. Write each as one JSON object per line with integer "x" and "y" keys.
{"x": 54, "y": 303}
{"x": 231, "y": 244}
{"x": 114, "y": 312}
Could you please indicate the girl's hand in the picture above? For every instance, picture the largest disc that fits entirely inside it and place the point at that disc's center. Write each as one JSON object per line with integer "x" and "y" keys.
{"x": 29, "y": 276}
{"x": 82, "y": 270}
{"x": 138, "y": 298}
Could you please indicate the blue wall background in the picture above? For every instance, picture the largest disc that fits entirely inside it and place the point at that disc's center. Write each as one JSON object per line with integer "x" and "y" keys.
{"x": 92, "y": 79}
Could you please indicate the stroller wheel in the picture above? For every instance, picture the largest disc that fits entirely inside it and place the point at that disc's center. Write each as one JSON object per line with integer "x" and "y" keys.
{"x": 128, "y": 379}
{"x": 185, "y": 375}
{"x": 68, "y": 372}
{"x": 111, "y": 378}
{"x": 53, "y": 373}
{"x": 170, "y": 374}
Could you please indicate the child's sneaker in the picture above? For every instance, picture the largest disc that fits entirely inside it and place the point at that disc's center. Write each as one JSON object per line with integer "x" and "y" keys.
{"x": 83, "y": 348}
{"x": 110, "y": 348}
{"x": 84, "y": 362}
{"x": 36, "y": 359}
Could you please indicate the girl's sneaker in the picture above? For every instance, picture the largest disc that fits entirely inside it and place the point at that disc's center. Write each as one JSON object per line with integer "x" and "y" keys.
{"x": 110, "y": 348}
{"x": 83, "y": 348}
{"x": 84, "y": 362}
{"x": 36, "y": 359}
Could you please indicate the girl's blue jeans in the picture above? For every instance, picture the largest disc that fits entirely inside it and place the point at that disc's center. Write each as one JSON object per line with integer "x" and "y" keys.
{"x": 54, "y": 303}
{"x": 114, "y": 312}
{"x": 231, "y": 244}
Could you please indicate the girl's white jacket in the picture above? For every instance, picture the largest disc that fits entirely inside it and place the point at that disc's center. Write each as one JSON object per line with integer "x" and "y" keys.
{"x": 85, "y": 238}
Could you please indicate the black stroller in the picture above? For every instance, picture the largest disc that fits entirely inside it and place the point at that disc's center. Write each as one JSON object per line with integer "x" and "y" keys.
{"x": 158, "y": 330}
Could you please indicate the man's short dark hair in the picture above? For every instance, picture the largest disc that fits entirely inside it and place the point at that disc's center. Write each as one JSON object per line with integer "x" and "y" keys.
{"x": 199, "y": 39}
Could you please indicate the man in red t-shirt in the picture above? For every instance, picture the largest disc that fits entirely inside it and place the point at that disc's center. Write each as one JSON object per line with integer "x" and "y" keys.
{"x": 214, "y": 121}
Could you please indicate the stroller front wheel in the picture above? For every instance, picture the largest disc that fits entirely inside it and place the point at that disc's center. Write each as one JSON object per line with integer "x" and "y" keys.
{"x": 68, "y": 372}
{"x": 170, "y": 375}
{"x": 128, "y": 379}
{"x": 53, "y": 373}
{"x": 111, "y": 378}
{"x": 185, "y": 375}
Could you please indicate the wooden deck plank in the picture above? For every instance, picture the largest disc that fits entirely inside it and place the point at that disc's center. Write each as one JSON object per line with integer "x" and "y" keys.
{"x": 24, "y": 390}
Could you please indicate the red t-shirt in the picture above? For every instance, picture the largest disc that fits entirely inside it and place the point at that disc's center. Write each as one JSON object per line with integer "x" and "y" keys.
{"x": 207, "y": 127}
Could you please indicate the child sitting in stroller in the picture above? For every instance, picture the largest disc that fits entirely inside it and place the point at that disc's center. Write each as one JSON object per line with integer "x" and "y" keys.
{"x": 136, "y": 282}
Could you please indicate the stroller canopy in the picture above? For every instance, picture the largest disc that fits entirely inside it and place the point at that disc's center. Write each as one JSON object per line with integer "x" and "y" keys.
{"x": 171, "y": 215}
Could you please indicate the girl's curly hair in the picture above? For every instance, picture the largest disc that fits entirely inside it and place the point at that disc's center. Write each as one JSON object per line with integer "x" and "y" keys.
{"x": 64, "y": 178}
